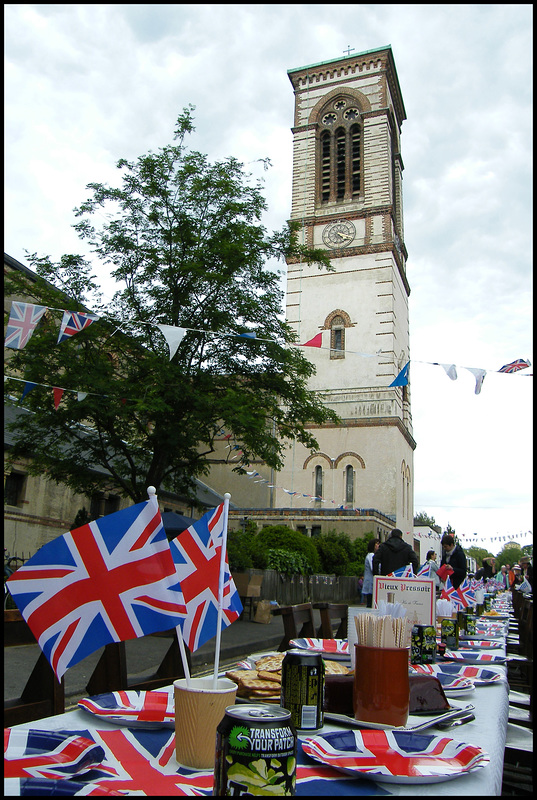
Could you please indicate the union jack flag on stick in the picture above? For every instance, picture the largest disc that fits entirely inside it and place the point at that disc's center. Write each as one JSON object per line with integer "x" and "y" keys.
{"x": 110, "y": 580}
{"x": 402, "y": 572}
{"x": 22, "y": 322}
{"x": 461, "y": 597}
{"x": 209, "y": 593}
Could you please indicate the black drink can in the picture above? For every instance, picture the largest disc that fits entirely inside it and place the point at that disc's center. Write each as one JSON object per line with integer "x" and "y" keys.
{"x": 302, "y": 690}
{"x": 255, "y": 752}
{"x": 423, "y": 644}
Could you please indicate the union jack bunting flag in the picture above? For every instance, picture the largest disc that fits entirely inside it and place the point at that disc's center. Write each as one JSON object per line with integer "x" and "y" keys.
{"x": 514, "y": 366}
{"x": 403, "y": 572}
{"x": 197, "y": 554}
{"x": 110, "y": 580}
{"x": 22, "y": 323}
{"x": 74, "y": 322}
{"x": 461, "y": 597}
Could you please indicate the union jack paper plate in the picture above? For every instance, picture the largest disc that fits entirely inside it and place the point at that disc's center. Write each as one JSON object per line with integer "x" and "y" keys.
{"x": 32, "y": 787}
{"x": 335, "y": 648}
{"x": 474, "y": 656}
{"x": 395, "y": 756}
{"x": 48, "y": 754}
{"x": 135, "y": 709}
{"x": 484, "y": 644}
{"x": 477, "y": 675}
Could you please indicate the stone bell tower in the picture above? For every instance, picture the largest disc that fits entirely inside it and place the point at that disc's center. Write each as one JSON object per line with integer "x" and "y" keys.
{"x": 347, "y": 196}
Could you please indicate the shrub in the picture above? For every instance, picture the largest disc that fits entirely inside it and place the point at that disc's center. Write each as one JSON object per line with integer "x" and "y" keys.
{"x": 280, "y": 537}
{"x": 288, "y": 562}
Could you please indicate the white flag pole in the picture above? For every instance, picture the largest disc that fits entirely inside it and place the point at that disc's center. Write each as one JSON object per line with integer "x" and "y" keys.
{"x": 152, "y": 494}
{"x": 221, "y": 590}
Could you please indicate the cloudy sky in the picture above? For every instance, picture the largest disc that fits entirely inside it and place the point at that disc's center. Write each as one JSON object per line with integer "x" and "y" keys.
{"x": 86, "y": 85}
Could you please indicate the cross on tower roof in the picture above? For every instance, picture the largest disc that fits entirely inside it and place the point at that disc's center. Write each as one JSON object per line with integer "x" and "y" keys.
{"x": 348, "y": 51}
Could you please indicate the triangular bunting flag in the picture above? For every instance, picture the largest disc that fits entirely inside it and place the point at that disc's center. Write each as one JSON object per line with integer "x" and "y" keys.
{"x": 402, "y": 378}
{"x": 22, "y": 323}
{"x": 317, "y": 341}
{"x": 58, "y": 394}
{"x": 81, "y": 396}
{"x": 27, "y": 388}
{"x": 514, "y": 366}
{"x": 451, "y": 371}
{"x": 479, "y": 377}
{"x": 74, "y": 322}
{"x": 173, "y": 335}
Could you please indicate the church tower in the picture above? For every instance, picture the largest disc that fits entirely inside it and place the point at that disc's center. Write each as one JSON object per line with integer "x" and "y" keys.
{"x": 347, "y": 196}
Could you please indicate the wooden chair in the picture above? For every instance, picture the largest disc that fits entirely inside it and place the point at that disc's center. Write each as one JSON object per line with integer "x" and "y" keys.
{"x": 298, "y": 622}
{"x": 110, "y": 674}
{"x": 43, "y": 695}
{"x": 329, "y": 612}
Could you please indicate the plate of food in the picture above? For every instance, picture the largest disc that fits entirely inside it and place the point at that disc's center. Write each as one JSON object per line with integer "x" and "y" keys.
{"x": 48, "y": 754}
{"x": 335, "y": 648}
{"x": 259, "y": 679}
{"x": 395, "y": 756}
{"x": 154, "y": 709}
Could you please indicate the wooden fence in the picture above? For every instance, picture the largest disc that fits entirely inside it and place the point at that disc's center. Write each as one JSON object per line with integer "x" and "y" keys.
{"x": 292, "y": 589}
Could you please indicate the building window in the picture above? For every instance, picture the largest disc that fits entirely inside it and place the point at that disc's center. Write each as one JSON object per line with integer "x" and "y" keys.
{"x": 339, "y": 153}
{"x": 349, "y": 485}
{"x": 103, "y": 503}
{"x": 14, "y": 488}
{"x": 337, "y": 337}
{"x": 318, "y": 482}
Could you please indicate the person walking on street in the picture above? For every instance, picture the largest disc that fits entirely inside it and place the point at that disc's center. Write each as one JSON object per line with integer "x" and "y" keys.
{"x": 453, "y": 555}
{"x": 367, "y": 587}
{"x": 393, "y": 554}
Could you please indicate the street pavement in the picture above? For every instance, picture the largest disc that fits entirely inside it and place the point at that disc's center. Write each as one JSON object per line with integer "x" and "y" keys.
{"x": 240, "y": 639}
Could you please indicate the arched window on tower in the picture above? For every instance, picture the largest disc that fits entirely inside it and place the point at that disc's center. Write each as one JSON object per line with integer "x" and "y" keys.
{"x": 337, "y": 337}
{"x": 349, "y": 485}
{"x": 339, "y": 152}
{"x": 318, "y": 481}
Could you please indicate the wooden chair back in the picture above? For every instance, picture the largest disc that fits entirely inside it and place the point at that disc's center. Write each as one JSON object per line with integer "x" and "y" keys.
{"x": 298, "y": 622}
{"x": 330, "y": 612}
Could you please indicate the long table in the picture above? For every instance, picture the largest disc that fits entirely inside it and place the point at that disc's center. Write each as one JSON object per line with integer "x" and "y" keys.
{"x": 142, "y": 761}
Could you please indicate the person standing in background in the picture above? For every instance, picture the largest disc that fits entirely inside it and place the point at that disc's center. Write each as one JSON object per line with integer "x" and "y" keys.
{"x": 393, "y": 554}
{"x": 502, "y": 577}
{"x": 367, "y": 587}
{"x": 453, "y": 555}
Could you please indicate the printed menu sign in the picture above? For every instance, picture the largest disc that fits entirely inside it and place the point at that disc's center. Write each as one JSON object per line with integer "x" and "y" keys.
{"x": 417, "y": 595}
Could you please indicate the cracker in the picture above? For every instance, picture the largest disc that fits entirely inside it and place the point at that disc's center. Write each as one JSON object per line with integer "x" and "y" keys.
{"x": 273, "y": 677}
{"x": 335, "y": 668}
{"x": 270, "y": 663}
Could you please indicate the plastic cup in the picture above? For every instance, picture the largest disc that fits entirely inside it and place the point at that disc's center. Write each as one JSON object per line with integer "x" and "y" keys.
{"x": 198, "y": 710}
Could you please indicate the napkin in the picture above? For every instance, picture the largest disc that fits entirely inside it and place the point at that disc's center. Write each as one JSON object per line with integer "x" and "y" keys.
{"x": 444, "y": 608}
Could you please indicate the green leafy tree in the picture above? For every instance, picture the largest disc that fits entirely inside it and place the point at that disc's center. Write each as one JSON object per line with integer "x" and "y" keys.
{"x": 183, "y": 239}
{"x": 509, "y": 554}
{"x": 424, "y": 519}
{"x": 479, "y": 553}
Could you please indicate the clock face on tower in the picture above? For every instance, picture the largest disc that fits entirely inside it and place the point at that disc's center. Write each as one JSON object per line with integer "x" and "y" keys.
{"x": 339, "y": 234}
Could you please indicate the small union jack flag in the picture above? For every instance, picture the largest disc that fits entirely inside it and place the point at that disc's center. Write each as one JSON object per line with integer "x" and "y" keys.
{"x": 74, "y": 322}
{"x": 461, "y": 597}
{"x": 197, "y": 555}
{"x": 108, "y": 581}
{"x": 424, "y": 571}
{"x": 22, "y": 322}
{"x": 514, "y": 366}
{"x": 403, "y": 572}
